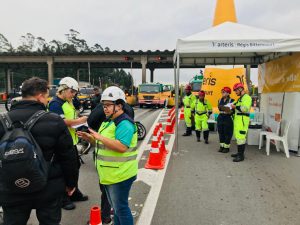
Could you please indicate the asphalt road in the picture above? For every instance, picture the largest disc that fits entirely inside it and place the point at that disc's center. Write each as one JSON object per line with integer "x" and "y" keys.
{"x": 202, "y": 186}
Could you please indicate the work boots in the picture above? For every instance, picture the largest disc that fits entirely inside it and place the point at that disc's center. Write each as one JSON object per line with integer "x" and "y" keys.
{"x": 225, "y": 150}
{"x": 206, "y": 134}
{"x": 221, "y": 149}
{"x": 188, "y": 132}
{"x": 198, "y": 134}
{"x": 240, "y": 154}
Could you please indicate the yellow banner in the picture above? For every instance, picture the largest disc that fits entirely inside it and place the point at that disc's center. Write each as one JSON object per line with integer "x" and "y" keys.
{"x": 281, "y": 75}
{"x": 215, "y": 79}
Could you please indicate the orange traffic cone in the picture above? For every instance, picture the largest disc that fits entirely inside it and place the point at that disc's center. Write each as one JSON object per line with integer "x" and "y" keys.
{"x": 155, "y": 160}
{"x": 162, "y": 147}
{"x": 181, "y": 114}
{"x": 154, "y": 143}
{"x": 169, "y": 128}
{"x": 171, "y": 111}
{"x": 95, "y": 216}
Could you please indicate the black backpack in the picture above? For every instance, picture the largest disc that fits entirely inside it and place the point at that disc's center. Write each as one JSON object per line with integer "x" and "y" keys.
{"x": 23, "y": 168}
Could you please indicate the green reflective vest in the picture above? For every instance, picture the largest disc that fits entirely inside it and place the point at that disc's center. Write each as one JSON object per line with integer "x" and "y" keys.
{"x": 189, "y": 100}
{"x": 243, "y": 105}
{"x": 202, "y": 107}
{"x": 70, "y": 114}
{"x": 114, "y": 167}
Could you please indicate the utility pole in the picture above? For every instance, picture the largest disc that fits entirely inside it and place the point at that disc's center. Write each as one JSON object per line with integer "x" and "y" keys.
{"x": 89, "y": 67}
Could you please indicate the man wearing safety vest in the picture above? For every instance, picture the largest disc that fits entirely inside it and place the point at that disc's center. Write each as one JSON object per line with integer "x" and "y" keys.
{"x": 63, "y": 106}
{"x": 203, "y": 110}
{"x": 225, "y": 120}
{"x": 115, "y": 153}
{"x": 188, "y": 100}
{"x": 241, "y": 120}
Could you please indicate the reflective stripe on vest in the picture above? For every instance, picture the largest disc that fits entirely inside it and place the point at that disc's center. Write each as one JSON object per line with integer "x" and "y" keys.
{"x": 103, "y": 147}
{"x": 112, "y": 166}
{"x": 116, "y": 159}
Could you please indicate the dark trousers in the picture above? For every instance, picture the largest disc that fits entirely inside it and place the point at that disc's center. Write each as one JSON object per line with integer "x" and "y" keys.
{"x": 48, "y": 213}
{"x": 105, "y": 206}
{"x": 225, "y": 128}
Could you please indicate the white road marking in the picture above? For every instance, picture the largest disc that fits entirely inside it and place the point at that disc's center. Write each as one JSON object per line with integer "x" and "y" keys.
{"x": 155, "y": 180}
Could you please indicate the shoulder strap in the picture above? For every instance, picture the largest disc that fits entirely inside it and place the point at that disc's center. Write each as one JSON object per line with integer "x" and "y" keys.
{"x": 6, "y": 121}
{"x": 34, "y": 118}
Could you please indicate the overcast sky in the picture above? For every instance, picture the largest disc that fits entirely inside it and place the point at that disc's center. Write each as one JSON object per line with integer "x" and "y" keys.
{"x": 138, "y": 24}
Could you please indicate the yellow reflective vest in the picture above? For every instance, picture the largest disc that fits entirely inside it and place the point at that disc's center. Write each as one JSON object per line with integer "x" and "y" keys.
{"x": 114, "y": 167}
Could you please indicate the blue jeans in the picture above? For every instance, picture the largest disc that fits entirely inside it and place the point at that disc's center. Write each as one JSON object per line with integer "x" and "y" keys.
{"x": 118, "y": 197}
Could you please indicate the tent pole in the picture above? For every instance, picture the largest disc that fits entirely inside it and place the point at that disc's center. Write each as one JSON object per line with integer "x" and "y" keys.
{"x": 176, "y": 102}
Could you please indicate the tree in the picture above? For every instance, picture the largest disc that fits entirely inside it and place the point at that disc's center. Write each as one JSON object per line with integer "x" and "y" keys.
{"x": 27, "y": 42}
{"x": 5, "y": 46}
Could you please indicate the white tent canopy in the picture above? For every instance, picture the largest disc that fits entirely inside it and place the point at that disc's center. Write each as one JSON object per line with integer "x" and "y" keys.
{"x": 232, "y": 43}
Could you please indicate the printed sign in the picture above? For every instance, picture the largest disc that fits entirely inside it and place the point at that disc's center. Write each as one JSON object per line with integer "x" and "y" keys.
{"x": 281, "y": 75}
{"x": 215, "y": 79}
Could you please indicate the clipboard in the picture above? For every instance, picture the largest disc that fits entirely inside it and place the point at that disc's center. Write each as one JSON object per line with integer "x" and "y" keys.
{"x": 225, "y": 109}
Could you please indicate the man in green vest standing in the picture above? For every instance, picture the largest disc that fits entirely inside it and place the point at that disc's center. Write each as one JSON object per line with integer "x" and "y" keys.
{"x": 115, "y": 153}
{"x": 188, "y": 100}
{"x": 241, "y": 120}
{"x": 63, "y": 106}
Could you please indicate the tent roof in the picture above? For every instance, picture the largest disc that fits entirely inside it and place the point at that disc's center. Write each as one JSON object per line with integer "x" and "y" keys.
{"x": 239, "y": 44}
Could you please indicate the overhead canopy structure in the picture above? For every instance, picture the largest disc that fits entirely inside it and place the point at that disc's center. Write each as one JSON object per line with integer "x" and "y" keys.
{"x": 230, "y": 44}
{"x": 234, "y": 44}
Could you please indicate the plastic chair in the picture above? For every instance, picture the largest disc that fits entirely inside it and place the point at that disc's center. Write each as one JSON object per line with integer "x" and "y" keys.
{"x": 265, "y": 133}
{"x": 277, "y": 138}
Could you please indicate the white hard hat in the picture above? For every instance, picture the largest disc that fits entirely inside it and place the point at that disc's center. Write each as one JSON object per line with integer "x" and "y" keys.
{"x": 113, "y": 93}
{"x": 69, "y": 82}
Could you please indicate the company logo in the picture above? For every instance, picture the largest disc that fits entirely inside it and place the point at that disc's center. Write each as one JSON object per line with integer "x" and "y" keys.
{"x": 14, "y": 152}
{"x": 22, "y": 183}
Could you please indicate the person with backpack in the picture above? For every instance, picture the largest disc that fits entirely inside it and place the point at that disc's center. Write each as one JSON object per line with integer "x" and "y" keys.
{"x": 63, "y": 106}
{"x": 37, "y": 161}
{"x": 115, "y": 153}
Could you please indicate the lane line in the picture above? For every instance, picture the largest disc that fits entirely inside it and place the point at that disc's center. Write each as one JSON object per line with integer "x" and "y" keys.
{"x": 155, "y": 180}
{"x": 144, "y": 144}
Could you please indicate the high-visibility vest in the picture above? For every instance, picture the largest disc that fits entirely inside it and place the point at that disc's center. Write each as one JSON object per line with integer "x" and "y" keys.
{"x": 114, "y": 167}
{"x": 188, "y": 100}
{"x": 70, "y": 114}
{"x": 202, "y": 107}
{"x": 243, "y": 106}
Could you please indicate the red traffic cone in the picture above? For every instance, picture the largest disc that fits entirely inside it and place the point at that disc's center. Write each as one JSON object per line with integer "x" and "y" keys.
{"x": 95, "y": 216}
{"x": 162, "y": 147}
{"x": 169, "y": 128}
{"x": 181, "y": 114}
{"x": 155, "y": 161}
{"x": 154, "y": 143}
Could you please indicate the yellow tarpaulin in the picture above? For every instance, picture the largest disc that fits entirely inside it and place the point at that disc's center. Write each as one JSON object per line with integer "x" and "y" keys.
{"x": 215, "y": 79}
{"x": 281, "y": 75}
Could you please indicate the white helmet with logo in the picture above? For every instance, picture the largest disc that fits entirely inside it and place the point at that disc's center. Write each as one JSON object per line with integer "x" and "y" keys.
{"x": 113, "y": 93}
{"x": 69, "y": 82}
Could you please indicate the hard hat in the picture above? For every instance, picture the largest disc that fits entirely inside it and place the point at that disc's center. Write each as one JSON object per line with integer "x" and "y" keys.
{"x": 202, "y": 93}
{"x": 188, "y": 87}
{"x": 238, "y": 85}
{"x": 70, "y": 83}
{"x": 227, "y": 89}
{"x": 113, "y": 93}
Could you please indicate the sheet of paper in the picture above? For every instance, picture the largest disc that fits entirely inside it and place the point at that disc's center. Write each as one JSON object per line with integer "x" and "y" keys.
{"x": 229, "y": 105}
{"x": 80, "y": 125}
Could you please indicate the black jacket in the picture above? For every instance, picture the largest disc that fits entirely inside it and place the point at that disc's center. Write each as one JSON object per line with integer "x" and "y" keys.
{"x": 54, "y": 138}
{"x": 97, "y": 116}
